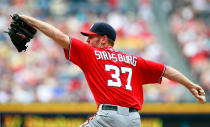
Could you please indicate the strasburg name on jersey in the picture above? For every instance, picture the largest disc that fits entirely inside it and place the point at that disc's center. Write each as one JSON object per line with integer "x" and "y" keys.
{"x": 103, "y": 55}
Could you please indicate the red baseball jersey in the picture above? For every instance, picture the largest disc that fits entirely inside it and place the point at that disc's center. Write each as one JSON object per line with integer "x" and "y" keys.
{"x": 114, "y": 77}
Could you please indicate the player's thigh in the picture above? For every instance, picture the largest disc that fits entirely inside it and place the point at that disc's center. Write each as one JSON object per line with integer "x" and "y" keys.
{"x": 135, "y": 120}
{"x": 102, "y": 119}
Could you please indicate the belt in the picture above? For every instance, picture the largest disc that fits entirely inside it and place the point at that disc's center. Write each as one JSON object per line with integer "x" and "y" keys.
{"x": 112, "y": 107}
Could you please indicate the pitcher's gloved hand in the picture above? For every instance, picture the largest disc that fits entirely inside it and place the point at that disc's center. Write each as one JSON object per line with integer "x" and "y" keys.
{"x": 20, "y": 32}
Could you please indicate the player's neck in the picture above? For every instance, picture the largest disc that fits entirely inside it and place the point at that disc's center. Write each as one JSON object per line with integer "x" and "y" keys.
{"x": 106, "y": 46}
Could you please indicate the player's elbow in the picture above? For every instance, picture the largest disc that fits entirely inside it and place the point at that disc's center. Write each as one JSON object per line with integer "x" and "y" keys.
{"x": 169, "y": 72}
{"x": 63, "y": 40}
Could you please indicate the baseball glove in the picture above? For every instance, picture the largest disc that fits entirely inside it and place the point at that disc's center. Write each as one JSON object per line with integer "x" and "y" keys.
{"x": 20, "y": 32}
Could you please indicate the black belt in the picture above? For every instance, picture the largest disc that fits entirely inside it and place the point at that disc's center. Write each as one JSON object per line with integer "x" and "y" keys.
{"x": 112, "y": 107}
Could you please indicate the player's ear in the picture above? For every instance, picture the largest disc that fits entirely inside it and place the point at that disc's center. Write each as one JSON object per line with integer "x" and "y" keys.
{"x": 104, "y": 39}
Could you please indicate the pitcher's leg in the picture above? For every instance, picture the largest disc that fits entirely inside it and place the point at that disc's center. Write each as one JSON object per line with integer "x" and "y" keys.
{"x": 102, "y": 119}
{"x": 135, "y": 120}
{"x": 91, "y": 122}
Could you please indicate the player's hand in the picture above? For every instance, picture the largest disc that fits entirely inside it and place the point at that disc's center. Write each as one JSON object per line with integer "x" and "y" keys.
{"x": 198, "y": 92}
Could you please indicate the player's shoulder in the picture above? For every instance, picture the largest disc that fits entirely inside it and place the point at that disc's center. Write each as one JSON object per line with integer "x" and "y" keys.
{"x": 80, "y": 44}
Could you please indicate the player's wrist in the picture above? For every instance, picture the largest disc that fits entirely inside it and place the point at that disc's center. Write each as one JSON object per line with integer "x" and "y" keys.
{"x": 29, "y": 19}
{"x": 190, "y": 85}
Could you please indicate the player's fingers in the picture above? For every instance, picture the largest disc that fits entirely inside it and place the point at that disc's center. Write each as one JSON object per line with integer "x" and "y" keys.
{"x": 195, "y": 93}
{"x": 201, "y": 99}
{"x": 10, "y": 20}
{"x": 201, "y": 92}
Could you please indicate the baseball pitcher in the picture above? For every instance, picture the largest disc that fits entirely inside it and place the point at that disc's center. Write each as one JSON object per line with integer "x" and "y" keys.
{"x": 115, "y": 78}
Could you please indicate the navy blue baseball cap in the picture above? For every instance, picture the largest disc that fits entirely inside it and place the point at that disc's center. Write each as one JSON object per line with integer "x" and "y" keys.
{"x": 102, "y": 29}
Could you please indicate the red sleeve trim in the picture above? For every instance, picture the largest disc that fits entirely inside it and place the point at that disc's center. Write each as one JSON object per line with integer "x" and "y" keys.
{"x": 69, "y": 47}
{"x": 67, "y": 52}
{"x": 160, "y": 79}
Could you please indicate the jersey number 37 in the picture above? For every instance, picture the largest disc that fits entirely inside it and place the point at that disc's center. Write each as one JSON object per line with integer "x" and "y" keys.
{"x": 116, "y": 76}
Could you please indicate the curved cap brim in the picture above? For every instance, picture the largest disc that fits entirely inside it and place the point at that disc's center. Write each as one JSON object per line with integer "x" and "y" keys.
{"x": 86, "y": 33}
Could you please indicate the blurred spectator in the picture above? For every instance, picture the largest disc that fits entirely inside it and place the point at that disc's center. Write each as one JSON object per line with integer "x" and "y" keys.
{"x": 190, "y": 26}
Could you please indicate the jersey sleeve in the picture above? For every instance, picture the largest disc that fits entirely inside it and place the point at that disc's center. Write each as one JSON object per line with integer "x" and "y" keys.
{"x": 78, "y": 52}
{"x": 151, "y": 72}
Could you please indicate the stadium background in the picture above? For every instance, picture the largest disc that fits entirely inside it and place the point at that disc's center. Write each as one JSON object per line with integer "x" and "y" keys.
{"x": 39, "y": 88}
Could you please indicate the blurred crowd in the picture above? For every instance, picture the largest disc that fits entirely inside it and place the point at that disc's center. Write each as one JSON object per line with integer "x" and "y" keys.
{"x": 41, "y": 74}
{"x": 190, "y": 24}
